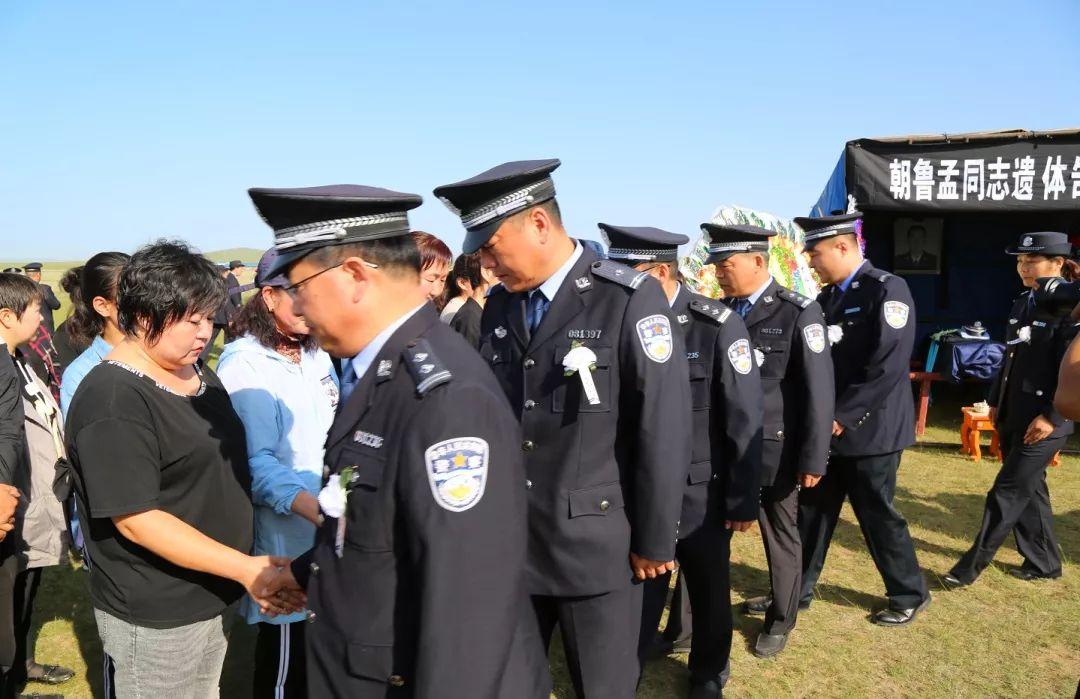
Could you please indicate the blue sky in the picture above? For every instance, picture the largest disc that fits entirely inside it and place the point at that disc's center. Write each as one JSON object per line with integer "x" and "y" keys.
{"x": 126, "y": 121}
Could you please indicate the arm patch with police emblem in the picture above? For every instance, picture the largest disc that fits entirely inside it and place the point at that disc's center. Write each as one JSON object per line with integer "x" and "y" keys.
{"x": 619, "y": 273}
{"x": 655, "y": 334}
{"x": 815, "y": 337}
{"x": 426, "y": 369}
{"x": 739, "y": 355}
{"x": 457, "y": 472}
{"x": 896, "y": 314}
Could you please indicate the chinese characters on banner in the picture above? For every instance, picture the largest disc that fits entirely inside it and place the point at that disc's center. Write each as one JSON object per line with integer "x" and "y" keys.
{"x": 1032, "y": 173}
{"x": 977, "y": 179}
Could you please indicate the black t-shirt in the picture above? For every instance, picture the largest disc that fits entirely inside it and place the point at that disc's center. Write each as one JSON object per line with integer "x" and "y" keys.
{"x": 134, "y": 446}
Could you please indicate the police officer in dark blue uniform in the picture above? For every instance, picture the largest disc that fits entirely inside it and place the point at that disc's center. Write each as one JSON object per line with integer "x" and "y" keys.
{"x": 723, "y": 485}
{"x": 871, "y": 320}
{"x": 787, "y": 332}
{"x": 586, "y": 353}
{"x": 1030, "y": 428}
{"x": 416, "y": 581}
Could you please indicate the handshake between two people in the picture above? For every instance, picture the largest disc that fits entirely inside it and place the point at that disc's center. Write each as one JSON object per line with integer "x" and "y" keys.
{"x": 271, "y": 584}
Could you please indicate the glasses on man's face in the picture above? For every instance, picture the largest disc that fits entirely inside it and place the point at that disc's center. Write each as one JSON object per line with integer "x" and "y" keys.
{"x": 293, "y": 290}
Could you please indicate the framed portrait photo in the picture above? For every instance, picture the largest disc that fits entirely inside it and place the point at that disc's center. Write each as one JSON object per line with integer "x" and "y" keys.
{"x": 917, "y": 246}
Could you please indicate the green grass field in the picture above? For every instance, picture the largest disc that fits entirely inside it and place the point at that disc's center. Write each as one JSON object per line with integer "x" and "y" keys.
{"x": 1000, "y": 637}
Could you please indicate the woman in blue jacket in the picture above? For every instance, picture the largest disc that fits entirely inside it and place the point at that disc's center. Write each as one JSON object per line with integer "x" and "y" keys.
{"x": 285, "y": 391}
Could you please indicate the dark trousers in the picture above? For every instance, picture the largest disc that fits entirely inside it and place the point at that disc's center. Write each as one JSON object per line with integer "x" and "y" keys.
{"x": 24, "y": 591}
{"x": 280, "y": 670}
{"x": 704, "y": 564}
{"x": 1018, "y": 502}
{"x": 655, "y": 596}
{"x": 779, "y": 522}
{"x": 870, "y": 482}
{"x": 600, "y": 637}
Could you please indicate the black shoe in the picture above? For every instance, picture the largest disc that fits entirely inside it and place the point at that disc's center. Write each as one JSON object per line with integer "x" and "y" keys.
{"x": 769, "y": 644}
{"x": 899, "y": 617}
{"x": 49, "y": 674}
{"x": 757, "y": 606}
{"x": 804, "y": 604}
{"x": 1030, "y": 575}
{"x": 706, "y": 690}
{"x": 951, "y": 582}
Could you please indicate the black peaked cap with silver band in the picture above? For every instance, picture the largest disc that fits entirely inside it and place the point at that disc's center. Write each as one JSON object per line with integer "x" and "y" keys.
{"x": 307, "y": 218}
{"x": 1044, "y": 243}
{"x": 484, "y": 201}
{"x": 725, "y": 240}
{"x": 818, "y": 228}
{"x": 634, "y": 244}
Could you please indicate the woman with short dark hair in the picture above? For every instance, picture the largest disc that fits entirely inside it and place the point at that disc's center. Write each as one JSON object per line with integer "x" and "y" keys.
{"x": 473, "y": 281}
{"x": 435, "y": 259}
{"x": 160, "y": 472}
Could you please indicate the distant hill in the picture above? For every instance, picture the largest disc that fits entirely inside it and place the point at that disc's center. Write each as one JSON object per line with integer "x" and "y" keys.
{"x": 248, "y": 255}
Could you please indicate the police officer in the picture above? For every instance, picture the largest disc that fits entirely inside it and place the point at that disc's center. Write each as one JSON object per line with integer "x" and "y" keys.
{"x": 787, "y": 333}
{"x": 416, "y": 580}
{"x": 871, "y": 321}
{"x": 721, "y": 489}
{"x": 1031, "y": 429}
{"x": 49, "y": 302}
{"x": 586, "y": 352}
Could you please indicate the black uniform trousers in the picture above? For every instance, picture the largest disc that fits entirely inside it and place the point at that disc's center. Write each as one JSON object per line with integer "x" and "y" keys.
{"x": 24, "y": 591}
{"x": 655, "y": 596}
{"x": 705, "y": 565}
{"x": 870, "y": 482}
{"x": 599, "y": 635}
{"x": 1019, "y": 501}
{"x": 280, "y": 667}
{"x": 779, "y": 522}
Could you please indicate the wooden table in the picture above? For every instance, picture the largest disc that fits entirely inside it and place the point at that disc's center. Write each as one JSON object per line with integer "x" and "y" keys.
{"x": 925, "y": 378}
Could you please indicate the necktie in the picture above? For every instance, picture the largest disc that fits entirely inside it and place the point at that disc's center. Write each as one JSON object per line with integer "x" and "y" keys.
{"x": 349, "y": 379}
{"x": 535, "y": 309}
{"x": 742, "y": 307}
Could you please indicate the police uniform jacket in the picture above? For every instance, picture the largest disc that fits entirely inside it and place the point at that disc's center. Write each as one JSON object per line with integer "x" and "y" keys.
{"x": 49, "y": 303}
{"x": 1036, "y": 342}
{"x": 787, "y": 332}
{"x": 422, "y": 593}
{"x": 725, "y": 388}
{"x": 875, "y": 323}
{"x": 604, "y": 479}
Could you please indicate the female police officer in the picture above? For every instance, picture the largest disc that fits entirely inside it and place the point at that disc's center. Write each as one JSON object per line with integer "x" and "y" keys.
{"x": 1031, "y": 430}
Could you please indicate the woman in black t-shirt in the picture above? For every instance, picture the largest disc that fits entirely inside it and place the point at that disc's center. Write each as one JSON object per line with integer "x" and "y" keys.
{"x": 160, "y": 471}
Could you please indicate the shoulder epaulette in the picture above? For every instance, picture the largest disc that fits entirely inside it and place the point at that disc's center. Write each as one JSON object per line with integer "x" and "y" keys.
{"x": 619, "y": 273}
{"x": 713, "y": 310}
{"x": 794, "y": 297}
{"x": 877, "y": 274}
{"x": 426, "y": 369}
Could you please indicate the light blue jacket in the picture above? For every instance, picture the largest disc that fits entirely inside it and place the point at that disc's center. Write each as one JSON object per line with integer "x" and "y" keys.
{"x": 287, "y": 410}
{"x": 79, "y": 368}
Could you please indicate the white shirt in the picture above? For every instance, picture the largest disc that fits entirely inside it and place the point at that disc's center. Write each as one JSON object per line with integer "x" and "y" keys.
{"x": 551, "y": 286}
{"x": 362, "y": 361}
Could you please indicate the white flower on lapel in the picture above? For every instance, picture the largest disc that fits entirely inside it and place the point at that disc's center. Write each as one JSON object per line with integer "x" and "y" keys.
{"x": 333, "y": 496}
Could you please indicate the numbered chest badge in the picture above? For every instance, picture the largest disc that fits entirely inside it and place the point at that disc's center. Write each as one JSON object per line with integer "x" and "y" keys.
{"x": 896, "y": 314}
{"x": 655, "y": 335}
{"x": 740, "y": 357}
{"x": 457, "y": 472}
{"x": 815, "y": 337}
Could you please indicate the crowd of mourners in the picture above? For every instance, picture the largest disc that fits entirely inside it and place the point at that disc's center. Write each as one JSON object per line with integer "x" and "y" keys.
{"x": 247, "y": 486}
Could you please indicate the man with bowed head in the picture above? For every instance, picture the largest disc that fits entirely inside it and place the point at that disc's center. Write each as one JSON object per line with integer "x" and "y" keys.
{"x": 416, "y": 580}
{"x": 585, "y": 351}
